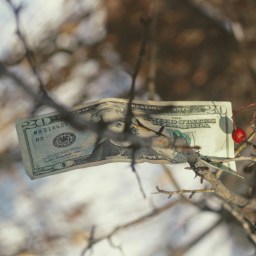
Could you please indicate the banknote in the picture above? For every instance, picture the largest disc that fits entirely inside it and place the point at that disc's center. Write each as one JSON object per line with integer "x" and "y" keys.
{"x": 50, "y": 145}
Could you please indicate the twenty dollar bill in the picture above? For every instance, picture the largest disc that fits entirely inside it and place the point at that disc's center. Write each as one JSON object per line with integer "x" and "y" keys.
{"x": 51, "y": 145}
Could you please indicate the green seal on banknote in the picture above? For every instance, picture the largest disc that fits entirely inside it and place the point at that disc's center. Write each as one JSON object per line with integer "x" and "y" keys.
{"x": 177, "y": 134}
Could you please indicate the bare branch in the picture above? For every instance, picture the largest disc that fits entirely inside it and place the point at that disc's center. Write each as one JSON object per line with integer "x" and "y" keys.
{"x": 74, "y": 120}
{"x": 128, "y": 119}
{"x": 28, "y": 52}
{"x": 90, "y": 241}
{"x": 137, "y": 175}
{"x": 153, "y": 53}
{"x": 248, "y": 226}
{"x": 118, "y": 247}
{"x": 221, "y": 191}
{"x": 182, "y": 191}
{"x": 182, "y": 250}
{"x": 236, "y": 159}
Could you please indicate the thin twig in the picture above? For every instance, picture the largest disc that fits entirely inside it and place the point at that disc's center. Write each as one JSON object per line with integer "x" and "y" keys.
{"x": 118, "y": 247}
{"x": 90, "y": 241}
{"x": 182, "y": 191}
{"x": 129, "y": 114}
{"x": 136, "y": 174}
{"x": 174, "y": 182}
{"x": 235, "y": 159}
{"x": 153, "y": 53}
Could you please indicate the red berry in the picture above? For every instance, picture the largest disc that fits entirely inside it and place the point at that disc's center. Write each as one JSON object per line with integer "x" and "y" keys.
{"x": 238, "y": 135}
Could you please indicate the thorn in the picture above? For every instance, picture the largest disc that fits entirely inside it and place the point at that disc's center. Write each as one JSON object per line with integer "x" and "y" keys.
{"x": 139, "y": 122}
{"x": 191, "y": 195}
{"x": 160, "y": 130}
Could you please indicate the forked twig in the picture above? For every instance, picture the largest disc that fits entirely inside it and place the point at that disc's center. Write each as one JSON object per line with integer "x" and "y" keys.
{"x": 90, "y": 241}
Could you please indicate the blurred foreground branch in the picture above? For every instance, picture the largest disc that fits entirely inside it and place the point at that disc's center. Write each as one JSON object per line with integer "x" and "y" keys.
{"x": 28, "y": 52}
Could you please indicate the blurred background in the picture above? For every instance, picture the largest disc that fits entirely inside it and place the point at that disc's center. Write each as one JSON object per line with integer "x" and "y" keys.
{"x": 85, "y": 50}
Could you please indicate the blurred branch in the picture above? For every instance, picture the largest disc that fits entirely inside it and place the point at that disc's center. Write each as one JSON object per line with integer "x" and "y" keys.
{"x": 28, "y": 52}
{"x": 138, "y": 221}
{"x": 136, "y": 174}
{"x": 232, "y": 28}
{"x": 129, "y": 115}
{"x": 145, "y": 22}
{"x": 183, "y": 249}
{"x": 46, "y": 100}
{"x": 90, "y": 241}
{"x": 236, "y": 159}
{"x": 74, "y": 120}
{"x": 153, "y": 52}
{"x": 9, "y": 157}
{"x": 44, "y": 56}
{"x": 118, "y": 247}
{"x": 247, "y": 225}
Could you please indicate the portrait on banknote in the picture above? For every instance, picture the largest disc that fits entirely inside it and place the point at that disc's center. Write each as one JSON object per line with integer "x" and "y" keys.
{"x": 114, "y": 114}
